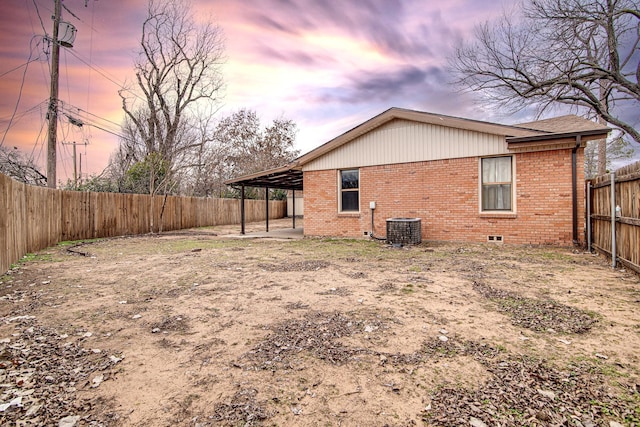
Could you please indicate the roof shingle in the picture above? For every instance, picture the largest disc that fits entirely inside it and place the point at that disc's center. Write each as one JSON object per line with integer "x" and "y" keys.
{"x": 568, "y": 123}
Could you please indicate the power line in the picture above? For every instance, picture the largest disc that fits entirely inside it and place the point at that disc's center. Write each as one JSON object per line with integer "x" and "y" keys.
{"x": 39, "y": 17}
{"x": 40, "y": 140}
{"x": 19, "y": 66}
{"x": 93, "y": 10}
{"x": 25, "y": 112}
{"x": 113, "y": 133}
{"x": 101, "y": 118}
{"x": 72, "y": 14}
{"x": 66, "y": 74}
{"x": 91, "y": 122}
{"x": 15, "y": 109}
{"x": 105, "y": 75}
{"x": 74, "y": 114}
{"x": 37, "y": 137}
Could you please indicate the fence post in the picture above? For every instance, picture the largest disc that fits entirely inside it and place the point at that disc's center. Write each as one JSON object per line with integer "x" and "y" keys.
{"x": 613, "y": 220}
{"x": 589, "y": 216}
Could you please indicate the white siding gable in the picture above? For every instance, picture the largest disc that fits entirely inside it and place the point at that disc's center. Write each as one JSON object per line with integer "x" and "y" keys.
{"x": 404, "y": 141}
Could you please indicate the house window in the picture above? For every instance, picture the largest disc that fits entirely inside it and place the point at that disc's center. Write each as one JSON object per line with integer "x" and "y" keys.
{"x": 349, "y": 190}
{"x": 497, "y": 183}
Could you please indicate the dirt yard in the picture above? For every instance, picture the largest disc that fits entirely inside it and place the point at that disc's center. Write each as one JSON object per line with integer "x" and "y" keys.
{"x": 199, "y": 329}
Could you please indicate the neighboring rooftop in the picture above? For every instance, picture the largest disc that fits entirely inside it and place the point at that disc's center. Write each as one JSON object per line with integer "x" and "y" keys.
{"x": 568, "y": 123}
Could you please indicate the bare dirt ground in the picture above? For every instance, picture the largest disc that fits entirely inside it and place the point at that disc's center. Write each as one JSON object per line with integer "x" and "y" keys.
{"x": 199, "y": 329}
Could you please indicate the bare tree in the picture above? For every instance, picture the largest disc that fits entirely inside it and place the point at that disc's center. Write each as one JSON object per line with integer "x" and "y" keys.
{"x": 18, "y": 166}
{"x": 584, "y": 53}
{"x": 243, "y": 146}
{"x": 206, "y": 176}
{"x": 616, "y": 149}
{"x": 177, "y": 77}
{"x": 252, "y": 149}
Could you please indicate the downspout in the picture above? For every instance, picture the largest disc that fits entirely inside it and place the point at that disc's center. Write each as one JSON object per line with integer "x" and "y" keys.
{"x": 574, "y": 187}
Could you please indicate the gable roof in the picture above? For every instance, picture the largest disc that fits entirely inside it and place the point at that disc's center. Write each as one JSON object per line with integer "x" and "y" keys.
{"x": 558, "y": 128}
{"x": 420, "y": 117}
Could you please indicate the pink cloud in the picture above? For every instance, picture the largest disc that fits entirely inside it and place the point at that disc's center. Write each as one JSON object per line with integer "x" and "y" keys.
{"x": 326, "y": 65}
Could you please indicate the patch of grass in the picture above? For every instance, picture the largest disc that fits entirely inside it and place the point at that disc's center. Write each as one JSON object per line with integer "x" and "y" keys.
{"x": 408, "y": 289}
{"x": 36, "y": 257}
{"x": 339, "y": 248}
{"x": 515, "y": 412}
{"x": 31, "y": 257}
{"x": 633, "y": 418}
{"x": 555, "y": 255}
{"x": 160, "y": 246}
{"x": 602, "y": 406}
{"x": 77, "y": 242}
{"x": 185, "y": 245}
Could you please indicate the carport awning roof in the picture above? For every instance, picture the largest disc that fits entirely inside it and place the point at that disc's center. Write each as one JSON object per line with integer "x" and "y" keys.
{"x": 285, "y": 178}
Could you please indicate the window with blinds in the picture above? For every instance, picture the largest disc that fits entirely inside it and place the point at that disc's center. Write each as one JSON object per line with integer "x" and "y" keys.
{"x": 497, "y": 183}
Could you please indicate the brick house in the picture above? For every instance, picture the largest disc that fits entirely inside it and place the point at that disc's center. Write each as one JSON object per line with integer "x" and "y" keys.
{"x": 466, "y": 180}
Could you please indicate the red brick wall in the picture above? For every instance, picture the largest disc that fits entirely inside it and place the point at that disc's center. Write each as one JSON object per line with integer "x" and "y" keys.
{"x": 444, "y": 195}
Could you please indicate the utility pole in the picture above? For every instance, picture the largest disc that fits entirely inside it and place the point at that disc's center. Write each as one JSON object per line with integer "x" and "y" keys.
{"x": 75, "y": 168}
{"x": 75, "y": 163}
{"x": 53, "y": 100}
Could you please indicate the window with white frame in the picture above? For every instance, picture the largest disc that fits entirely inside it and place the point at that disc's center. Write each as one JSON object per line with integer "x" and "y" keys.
{"x": 497, "y": 183}
{"x": 349, "y": 183}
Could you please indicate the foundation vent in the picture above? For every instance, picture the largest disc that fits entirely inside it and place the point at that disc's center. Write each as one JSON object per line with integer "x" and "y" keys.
{"x": 404, "y": 231}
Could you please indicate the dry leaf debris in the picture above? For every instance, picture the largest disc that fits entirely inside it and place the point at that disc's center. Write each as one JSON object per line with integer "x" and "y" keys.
{"x": 527, "y": 391}
{"x": 309, "y": 265}
{"x": 520, "y": 390}
{"x": 538, "y": 315}
{"x": 243, "y": 409}
{"x": 46, "y": 369}
{"x": 316, "y": 333}
{"x": 178, "y": 323}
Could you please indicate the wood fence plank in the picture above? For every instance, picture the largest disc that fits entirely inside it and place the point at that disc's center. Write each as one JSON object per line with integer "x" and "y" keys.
{"x": 627, "y": 193}
{"x": 4, "y": 223}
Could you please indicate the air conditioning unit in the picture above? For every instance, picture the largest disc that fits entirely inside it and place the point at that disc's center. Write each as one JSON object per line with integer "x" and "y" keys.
{"x": 404, "y": 231}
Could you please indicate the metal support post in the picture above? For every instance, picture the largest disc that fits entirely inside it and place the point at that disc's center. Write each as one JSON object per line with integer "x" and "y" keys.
{"x": 294, "y": 209}
{"x": 266, "y": 197}
{"x": 242, "y": 210}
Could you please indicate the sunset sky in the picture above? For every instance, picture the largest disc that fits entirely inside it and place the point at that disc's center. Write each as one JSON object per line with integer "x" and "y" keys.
{"x": 328, "y": 65}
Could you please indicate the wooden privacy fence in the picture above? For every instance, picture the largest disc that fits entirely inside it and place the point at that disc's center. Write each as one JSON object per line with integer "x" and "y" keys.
{"x": 33, "y": 218}
{"x": 617, "y": 204}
